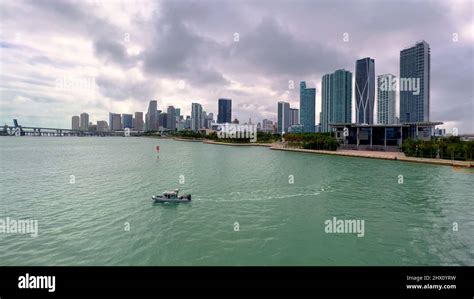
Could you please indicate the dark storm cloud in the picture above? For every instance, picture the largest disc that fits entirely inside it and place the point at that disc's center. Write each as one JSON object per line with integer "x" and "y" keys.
{"x": 177, "y": 51}
{"x": 278, "y": 41}
{"x": 273, "y": 50}
{"x": 110, "y": 50}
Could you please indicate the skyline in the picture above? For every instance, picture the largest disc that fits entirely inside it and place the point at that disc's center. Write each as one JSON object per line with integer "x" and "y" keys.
{"x": 207, "y": 63}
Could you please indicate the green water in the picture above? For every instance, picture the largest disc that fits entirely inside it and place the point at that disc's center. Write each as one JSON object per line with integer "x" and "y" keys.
{"x": 279, "y": 223}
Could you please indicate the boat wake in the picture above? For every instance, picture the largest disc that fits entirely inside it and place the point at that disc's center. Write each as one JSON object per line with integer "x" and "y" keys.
{"x": 212, "y": 199}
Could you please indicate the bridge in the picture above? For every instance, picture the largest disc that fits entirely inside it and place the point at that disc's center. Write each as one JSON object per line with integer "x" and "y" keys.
{"x": 17, "y": 130}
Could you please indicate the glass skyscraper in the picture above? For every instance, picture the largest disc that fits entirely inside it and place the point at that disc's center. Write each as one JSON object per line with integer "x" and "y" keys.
{"x": 415, "y": 65}
{"x": 307, "y": 107}
{"x": 152, "y": 118}
{"x": 196, "y": 115}
{"x": 283, "y": 117}
{"x": 336, "y": 95}
{"x": 171, "y": 118}
{"x": 385, "y": 99}
{"x": 127, "y": 120}
{"x": 365, "y": 90}
{"x": 224, "y": 114}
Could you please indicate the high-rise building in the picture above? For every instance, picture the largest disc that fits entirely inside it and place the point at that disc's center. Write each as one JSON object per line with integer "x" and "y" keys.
{"x": 307, "y": 107}
{"x": 171, "y": 118}
{"x": 188, "y": 122}
{"x": 336, "y": 96}
{"x": 294, "y": 116}
{"x": 84, "y": 126}
{"x": 196, "y": 115}
{"x": 283, "y": 117}
{"x": 138, "y": 121}
{"x": 162, "y": 121}
{"x": 203, "y": 120}
{"x": 365, "y": 90}
{"x": 115, "y": 122}
{"x": 152, "y": 119}
{"x": 267, "y": 125}
{"x": 385, "y": 99}
{"x": 75, "y": 122}
{"x": 127, "y": 120}
{"x": 102, "y": 126}
{"x": 177, "y": 111}
{"x": 415, "y": 66}
{"x": 224, "y": 114}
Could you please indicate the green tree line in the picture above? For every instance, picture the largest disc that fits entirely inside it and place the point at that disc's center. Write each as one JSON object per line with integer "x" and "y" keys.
{"x": 444, "y": 148}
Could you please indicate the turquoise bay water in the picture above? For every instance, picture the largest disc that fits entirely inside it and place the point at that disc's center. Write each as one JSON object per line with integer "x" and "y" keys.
{"x": 279, "y": 223}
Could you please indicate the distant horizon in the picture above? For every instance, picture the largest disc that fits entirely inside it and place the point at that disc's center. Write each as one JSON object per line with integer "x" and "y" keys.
{"x": 61, "y": 59}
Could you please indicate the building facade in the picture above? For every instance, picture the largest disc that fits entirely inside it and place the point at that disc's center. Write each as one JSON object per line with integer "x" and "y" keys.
{"x": 152, "y": 118}
{"x": 196, "y": 114}
{"x": 115, "y": 122}
{"x": 307, "y": 107}
{"x": 127, "y": 121}
{"x": 415, "y": 70}
{"x": 224, "y": 114}
{"x": 336, "y": 96}
{"x": 283, "y": 117}
{"x": 171, "y": 118}
{"x": 84, "y": 126}
{"x": 365, "y": 90}
{"x": 294, "y": 116}
{"x": 75, "y": 122}
{"x": 138, "y": 121}
{"x": 385, "y": 99}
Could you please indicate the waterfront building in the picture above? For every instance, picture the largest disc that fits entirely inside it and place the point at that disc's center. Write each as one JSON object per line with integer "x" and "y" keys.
{"x": 382, "y": 137}
{"x": 152, "y": 118}
{"x": 283, "y": 117}
{"x": 307, "y": 107}
{"x": 224, "y": 114}
{"x": 415, "y": 71}
{"x": 365, "y": 90}
{"x": 385, "y": 99}
{"x": 267, "y": 125}
{"x": 115, "y": 122}
{"x": 177, "y": 112}
{"x": 138, "y": 121}
{"x": 75, "y": 122}
{"x": 102, "y": 126}
{"x": 203, "y": 120}
{"x": 336, "y": 96}
{"x": 84, "y": 126}
{"x": 294, "y": 116}
{"x": 188, "y": 122}
{"x": 162, "y": 121}
{"x": 171, "y": 118}
{"x": 127, "y": 120}
{"x": 196, "y": 114}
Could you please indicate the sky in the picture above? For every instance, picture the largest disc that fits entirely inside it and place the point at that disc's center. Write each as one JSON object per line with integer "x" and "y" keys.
{"x": 62, "y": 58}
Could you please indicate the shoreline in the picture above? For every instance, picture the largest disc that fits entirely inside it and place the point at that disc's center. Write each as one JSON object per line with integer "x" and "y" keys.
{"x": 394, "y": 156}
{"x": 238, "y": 144}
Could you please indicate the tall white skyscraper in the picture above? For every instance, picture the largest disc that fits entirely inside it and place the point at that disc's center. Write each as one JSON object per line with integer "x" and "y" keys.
{"x": 84, "y": 121}
{"x": 138, "y": 121}
{"x": 75, "y": 122}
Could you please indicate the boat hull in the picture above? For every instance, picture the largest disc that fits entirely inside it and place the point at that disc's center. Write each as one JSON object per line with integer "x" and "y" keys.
{"x": 159, "y": 199}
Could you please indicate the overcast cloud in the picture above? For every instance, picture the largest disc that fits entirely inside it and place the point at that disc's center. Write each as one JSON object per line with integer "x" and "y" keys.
{"x": 179, "y": 52}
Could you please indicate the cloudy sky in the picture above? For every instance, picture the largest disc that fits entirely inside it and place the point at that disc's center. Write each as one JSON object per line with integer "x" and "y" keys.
{"x": 61, "y": 58}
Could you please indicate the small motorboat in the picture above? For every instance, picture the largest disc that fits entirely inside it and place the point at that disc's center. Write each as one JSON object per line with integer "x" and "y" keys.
{"x": 171, "y": 196}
